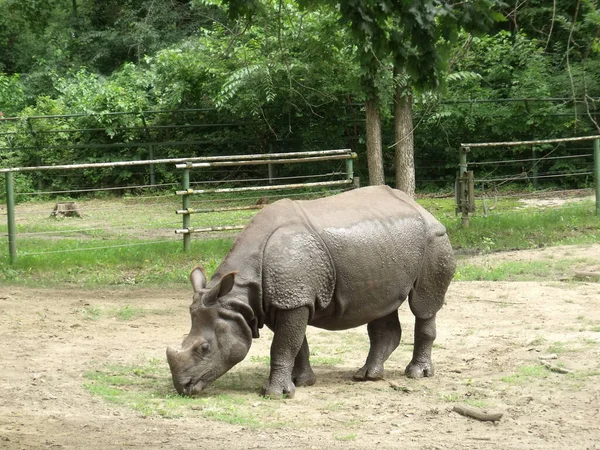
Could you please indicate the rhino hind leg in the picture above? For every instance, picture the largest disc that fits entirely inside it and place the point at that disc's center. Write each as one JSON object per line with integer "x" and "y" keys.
{"x": 426, "y": 299}
{"x": 384, "y": 335}
{"x": 421, "y": 365}
{"x": 303, "y": 375}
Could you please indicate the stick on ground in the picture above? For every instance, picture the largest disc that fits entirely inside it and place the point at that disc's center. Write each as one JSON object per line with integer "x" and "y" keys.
{"x": 478, "y": 414}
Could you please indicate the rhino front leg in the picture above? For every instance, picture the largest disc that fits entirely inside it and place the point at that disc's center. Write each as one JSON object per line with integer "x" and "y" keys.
{"x": 303, "y": 375}
{"x": 384, "y": 335}
{"x": 289, "y": 335}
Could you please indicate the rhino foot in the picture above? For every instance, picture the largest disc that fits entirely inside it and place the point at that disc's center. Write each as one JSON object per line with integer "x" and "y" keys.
{"x": 275, "y": 391}
{"x": 367, "y": 373}
{"x": 305, "y": 378}
{"x": 419, "y": 370}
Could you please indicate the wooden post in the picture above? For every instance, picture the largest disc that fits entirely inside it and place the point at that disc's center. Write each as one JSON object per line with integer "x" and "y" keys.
{"x": 463, "y": 186}
{"x": 597, "y": 174}
{"x": 185, "y": 186}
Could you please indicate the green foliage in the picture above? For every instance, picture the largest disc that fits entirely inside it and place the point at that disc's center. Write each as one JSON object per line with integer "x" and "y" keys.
{"x": 292, "y": 72}
{"x": 12, "y": 96}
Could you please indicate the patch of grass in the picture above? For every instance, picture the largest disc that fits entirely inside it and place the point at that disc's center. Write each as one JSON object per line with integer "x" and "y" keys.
{"x": 91, "y": 312}
{"x": 124, "y": 313}
{"x": 477, "y": 403}
{"x": 147, "y": 389}
{"x": 129, "y": 312}
{"x": 261, "y": 359}
{"x": 130, "y": 248}
{"x": 148, "y": 263}
{"x": 525, "y": 374}
{"x": 335, "y": 406}
{"x": 467, "y": 398}
{"x": 326, "y": 360}
{"x": 452, "y": 398}
{"x": 510, "y": 229}
{"x": 229, "y": 409}
{"x": 314, "y": 360}
{"x": 595, "y": 328}
{"x": 558, "y": 347}
{"x": 539, "y": 340}
{"x": 345, "y": 437}
{"x": 515, "y": 270}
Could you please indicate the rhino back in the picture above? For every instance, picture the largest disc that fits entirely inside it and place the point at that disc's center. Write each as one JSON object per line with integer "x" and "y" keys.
{"x": 377, "y": 239}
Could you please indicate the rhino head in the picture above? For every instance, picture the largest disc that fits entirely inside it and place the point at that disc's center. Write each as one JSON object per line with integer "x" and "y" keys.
{"x": 219, "y": 338}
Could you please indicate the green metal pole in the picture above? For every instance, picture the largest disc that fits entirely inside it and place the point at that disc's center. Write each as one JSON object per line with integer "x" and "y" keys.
{"x": 597, "y": 174}
{"x": 151, "y": 156}
{"x": 10, "y": 214}
{"x": 270, "y": 167}
{"x": 185, "y": 185}
{"x": 350, "y": 168}
{"x": 463, "y": 186}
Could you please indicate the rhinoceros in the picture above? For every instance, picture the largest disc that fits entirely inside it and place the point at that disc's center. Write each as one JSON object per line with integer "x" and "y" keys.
{"x": 334, "y": 263}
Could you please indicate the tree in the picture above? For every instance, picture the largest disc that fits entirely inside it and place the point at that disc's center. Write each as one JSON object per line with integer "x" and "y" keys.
{"x": 415, "y": 36}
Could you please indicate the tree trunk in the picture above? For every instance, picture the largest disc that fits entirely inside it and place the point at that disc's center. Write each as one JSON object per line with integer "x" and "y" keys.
{"x": 403, "y": 129}
{"x": 374, "y": 155}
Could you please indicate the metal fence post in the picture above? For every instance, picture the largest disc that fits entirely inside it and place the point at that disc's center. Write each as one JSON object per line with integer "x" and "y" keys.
{"x": 597, "y": 174}
{"x": 270, "y": 167}
{"x": 10, "y": 216}
{"x": 463, "y": 186}
{"x": 185, "y": 185}
{"x": 152, "y": 173}
{"x": 350, "y": 168}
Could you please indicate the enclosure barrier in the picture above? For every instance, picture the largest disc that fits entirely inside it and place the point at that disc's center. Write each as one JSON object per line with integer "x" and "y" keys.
{"x": 274, "y": 158}
{"x": 269, "y": 159}
{"x": 465, "y": 180}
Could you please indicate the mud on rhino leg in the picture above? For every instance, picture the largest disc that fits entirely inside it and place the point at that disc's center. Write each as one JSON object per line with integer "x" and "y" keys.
{"x": 384, "y": 334}
{"x": 303, "y": 375}
{"x": 289, "y": 330}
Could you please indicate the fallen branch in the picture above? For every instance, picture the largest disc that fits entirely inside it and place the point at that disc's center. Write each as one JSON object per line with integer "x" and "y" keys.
{"x": 585, "y": 274}
{"x": 478, "y": 414}
{"x": 554, "y": 368}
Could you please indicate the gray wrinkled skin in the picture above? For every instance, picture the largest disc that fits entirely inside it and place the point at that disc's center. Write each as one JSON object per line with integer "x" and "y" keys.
{"x": 333, "y": 263}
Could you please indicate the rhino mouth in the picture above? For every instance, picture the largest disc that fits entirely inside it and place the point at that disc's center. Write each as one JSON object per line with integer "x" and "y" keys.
{"x": 193, "y": 388}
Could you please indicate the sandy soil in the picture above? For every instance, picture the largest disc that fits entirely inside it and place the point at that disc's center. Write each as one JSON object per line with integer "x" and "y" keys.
{"x": 488, "y": 335}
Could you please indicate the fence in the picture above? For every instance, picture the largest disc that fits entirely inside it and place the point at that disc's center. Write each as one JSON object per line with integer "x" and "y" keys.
{"x": 252, "y": 160}
{"x": 99, "y": 215}
{"x": 466, "y": 181}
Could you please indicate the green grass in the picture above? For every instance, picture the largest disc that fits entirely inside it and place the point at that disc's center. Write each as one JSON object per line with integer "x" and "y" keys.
{"x": 127, "y": 254}
{"x": 559, "y": 347}
{"x": 151, "y": 264}
{"x": 526, "y": 374}
{"x": 147, "y": 389}
{"x": 314, "y": 360}
{"x": 124, "y": 313}
{"x": 516, "y": 270}
{"x": 345, "y": 437}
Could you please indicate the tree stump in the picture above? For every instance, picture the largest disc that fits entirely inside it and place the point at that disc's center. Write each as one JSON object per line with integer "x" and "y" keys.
{"x": 65, "y": 209}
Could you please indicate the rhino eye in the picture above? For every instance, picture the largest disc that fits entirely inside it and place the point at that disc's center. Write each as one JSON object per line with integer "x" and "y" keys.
{"x": 204, "y": 348}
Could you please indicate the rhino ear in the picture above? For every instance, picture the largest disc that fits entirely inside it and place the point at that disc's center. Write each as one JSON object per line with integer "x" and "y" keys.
{"x": 223, "y": 287}
{"x": 198, "y": 279}
{"x": 226, "y": 284}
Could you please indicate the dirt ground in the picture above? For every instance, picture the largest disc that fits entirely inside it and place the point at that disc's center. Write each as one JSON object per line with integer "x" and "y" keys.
{"x": 492, "y": 337}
